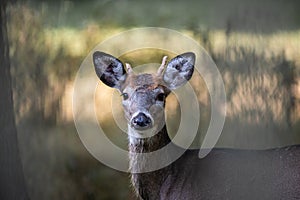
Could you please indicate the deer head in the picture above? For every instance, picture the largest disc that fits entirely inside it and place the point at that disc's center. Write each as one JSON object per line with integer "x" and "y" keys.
{"x": 144, "y": 94}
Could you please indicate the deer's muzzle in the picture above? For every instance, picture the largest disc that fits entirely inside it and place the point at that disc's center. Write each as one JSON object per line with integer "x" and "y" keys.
{"x": 141, "y": 121}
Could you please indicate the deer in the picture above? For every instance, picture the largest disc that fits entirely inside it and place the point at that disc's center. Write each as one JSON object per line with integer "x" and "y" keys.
{"x": 223, "y": 174}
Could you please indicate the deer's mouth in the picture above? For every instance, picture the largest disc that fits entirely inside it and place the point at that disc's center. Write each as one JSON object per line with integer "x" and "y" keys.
{"x": 141, "y": 121}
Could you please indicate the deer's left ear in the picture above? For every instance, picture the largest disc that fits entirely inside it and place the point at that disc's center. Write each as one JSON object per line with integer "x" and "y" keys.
{"x": 109, "y": 69}
{"x": 179, "y": 70}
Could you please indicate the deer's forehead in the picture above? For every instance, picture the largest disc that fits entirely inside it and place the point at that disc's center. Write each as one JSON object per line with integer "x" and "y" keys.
{"x": 141, "y": 81}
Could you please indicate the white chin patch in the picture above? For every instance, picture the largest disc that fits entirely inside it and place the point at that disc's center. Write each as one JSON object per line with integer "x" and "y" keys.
{"x": 140, "y": 133}
{"x": 147, "y": 132}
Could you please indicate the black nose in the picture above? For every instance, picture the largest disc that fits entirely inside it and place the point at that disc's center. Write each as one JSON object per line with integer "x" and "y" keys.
{"x": 141, "y": 121}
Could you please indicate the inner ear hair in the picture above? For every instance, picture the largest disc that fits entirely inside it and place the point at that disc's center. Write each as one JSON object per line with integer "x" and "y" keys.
{"x": 179, "y": 70}
{"x": 109, "y": 69}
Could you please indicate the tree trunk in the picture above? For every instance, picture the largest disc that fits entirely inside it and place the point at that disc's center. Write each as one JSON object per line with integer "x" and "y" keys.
{"x": 12, "y": 184}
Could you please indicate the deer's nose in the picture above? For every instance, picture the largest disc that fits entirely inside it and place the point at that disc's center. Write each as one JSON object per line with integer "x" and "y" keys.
{"x": 141, "y": 121}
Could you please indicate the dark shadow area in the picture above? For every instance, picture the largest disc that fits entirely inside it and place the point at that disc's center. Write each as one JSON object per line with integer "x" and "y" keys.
{"x": 258, "y": 16}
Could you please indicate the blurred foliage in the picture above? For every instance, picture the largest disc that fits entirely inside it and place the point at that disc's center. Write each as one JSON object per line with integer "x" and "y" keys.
{"x": 260, "y": 99}
{"x": 41, "y": 65}
{"x": 259, "y": 62}
{"x": 28, "y": 59}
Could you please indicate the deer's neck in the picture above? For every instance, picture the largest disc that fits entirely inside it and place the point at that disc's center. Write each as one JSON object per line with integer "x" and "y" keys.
{"x": 148, "y": 184}
{"x": 149, "y": 144}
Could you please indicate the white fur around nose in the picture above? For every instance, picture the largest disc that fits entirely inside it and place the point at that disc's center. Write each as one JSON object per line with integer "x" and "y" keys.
{"x": 144, "y": 112}
{"x": 134, "y": 135}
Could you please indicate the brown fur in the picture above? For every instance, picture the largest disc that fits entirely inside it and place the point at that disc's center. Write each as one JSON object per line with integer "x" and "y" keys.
{"x": 147, "y": 185}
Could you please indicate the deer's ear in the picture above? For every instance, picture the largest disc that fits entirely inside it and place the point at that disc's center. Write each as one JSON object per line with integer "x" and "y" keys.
{"x": 109, "y": 69}
{"x": 179, "y": 70}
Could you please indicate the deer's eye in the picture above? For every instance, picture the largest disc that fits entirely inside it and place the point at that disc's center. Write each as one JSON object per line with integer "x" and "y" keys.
{"x": 125, "y": 96}
{"x": 160, "y": 97}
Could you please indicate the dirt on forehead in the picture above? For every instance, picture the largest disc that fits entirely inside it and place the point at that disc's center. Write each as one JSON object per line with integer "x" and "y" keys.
{"x": 138, "y": 82}
{"x": 143, "y": 81}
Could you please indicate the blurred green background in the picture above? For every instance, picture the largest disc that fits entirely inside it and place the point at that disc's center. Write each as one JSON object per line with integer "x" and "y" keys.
{"x": 255, "y": 45}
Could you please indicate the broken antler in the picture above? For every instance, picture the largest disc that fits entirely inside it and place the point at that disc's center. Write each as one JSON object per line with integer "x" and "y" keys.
{"x": 162, "y": 66}
{"x": 128, "y": 68}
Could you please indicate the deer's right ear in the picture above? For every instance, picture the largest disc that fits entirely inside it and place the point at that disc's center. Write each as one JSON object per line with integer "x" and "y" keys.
{"x": 179, "y": 70}
{"x": 109, "y": 69}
